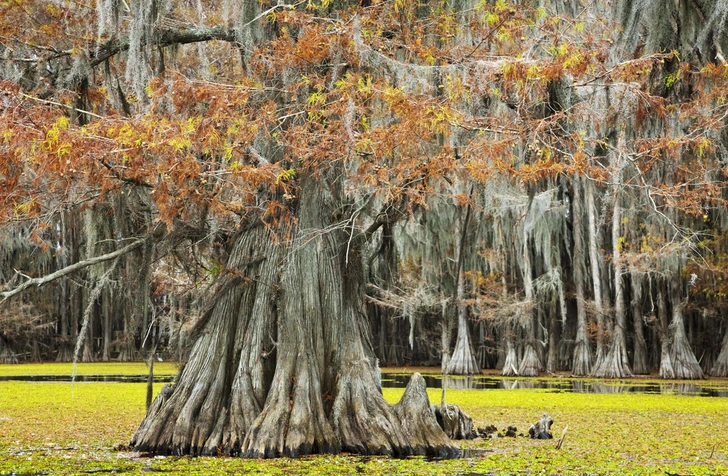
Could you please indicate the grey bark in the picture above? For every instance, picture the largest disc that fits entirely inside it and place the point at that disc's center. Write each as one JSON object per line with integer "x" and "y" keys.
{"x": 419, "y": 419}
{"x": 462, "y": 361}
{"x": 510, "y": 366}
{"x": 582, "y": 360}
{"x": 456, "y": 424}
{"x": 666, "y": 369}
{"x": 640, "y": 365}
{"x": 720, "y": 367}
{"x": 553, "y": 323}
{"x": 320, "y": 392}
{"x": 541, "y": 430}
{"x": 596, "y": 279}
{"x": 684, "y": 363}
{"x": 616, "y": 363}
{"x": 530, "y": 365}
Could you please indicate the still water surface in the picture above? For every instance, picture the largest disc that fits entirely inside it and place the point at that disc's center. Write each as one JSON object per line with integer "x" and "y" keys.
{"x": 395, "y": 380}
{"x": 698, "y": 388}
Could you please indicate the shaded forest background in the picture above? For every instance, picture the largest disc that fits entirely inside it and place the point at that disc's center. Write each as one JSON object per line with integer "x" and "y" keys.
{"x": 540, "y": 186}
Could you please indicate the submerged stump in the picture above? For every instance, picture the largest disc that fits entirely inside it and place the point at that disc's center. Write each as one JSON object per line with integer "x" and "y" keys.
{"x": 456, "y": 424}
{"x": 541, "y": 430}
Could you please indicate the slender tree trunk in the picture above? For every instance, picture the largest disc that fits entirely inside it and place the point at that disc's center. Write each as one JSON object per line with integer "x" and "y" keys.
{"x": 77, "y": 291}
{"x": 7, "y": 356}
{"x": 95, "y": 272}
{"x": 666, "y": 369}
{"x": 142, "y": 306}
{"x": 582, "y": 351}
{"x": 530, "y": 364}
{"x": 639, "y": 357}
{"x": 510, "y": 356}
{"x": 65, "y": 349}
{"x": 445, "y": 335}
{"x": 462, "y": 361}
{"x": 551, "y": 361}
{"x": 616, "y": 363}
{"x": 601, "y": 347}
{"x": 383, "y": 274}
{"x": 510, "y": 362}
{"x": 106, "y": 325}
{"x": 510, "y": 365}
{"x": 284, "y": 364}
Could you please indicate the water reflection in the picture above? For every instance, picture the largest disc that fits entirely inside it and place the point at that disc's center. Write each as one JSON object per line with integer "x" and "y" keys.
{"x": 558, "y": 385}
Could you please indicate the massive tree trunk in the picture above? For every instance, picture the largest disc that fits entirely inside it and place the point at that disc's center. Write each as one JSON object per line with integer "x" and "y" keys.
{"x": 582, "y": 351}
{"x": 283, "y": 365}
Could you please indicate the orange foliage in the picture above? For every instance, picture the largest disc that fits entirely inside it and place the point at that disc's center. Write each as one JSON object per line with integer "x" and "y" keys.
{"x": 338, "y": 93}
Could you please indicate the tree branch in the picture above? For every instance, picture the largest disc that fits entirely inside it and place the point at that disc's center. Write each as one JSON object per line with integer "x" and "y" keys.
{"x": 53, "y": 103}
{"x": 164, "y": 37}
{"x": 168, "y": 37}
{"x": 70, "y": 269}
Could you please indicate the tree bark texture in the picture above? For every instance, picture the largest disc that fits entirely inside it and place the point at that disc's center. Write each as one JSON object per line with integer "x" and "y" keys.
{"x": 640, "y": 365}
{"x": 720, "y": 367}
{"x": 283, "y": 365}
{"x": 530, "y": 365}
{"x": 462, "y": 361}
{"x": 541, "y": 430}
{"x": 594, "y": 257}
{"x": 616, "y": 363}
{"x": 582, "y": 352}
{"x": 666, "y": 369}
{"x": 684, "y": 363}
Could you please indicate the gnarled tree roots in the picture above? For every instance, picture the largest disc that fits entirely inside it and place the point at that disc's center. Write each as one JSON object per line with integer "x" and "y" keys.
{"x": 295, "y": 422}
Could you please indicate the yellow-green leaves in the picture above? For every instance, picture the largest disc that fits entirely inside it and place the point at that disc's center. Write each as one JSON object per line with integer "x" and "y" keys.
{"x": 285, "y": 176}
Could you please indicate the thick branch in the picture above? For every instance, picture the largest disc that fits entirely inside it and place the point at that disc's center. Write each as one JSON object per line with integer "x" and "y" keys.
{"x": 70, "y": 269}
{"x": 165, "y": 37}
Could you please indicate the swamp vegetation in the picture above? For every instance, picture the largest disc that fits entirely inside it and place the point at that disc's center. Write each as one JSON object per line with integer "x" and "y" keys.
{"x": 54, "y": 428}
{"x": 287, "y": 195}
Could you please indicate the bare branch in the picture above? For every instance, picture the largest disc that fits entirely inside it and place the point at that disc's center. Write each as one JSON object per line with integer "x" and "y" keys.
{"x": 70, "y": 269}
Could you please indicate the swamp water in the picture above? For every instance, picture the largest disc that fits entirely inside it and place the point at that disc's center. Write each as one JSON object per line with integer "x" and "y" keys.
{"x": 400, "y": 380}
{"x": 559, "y": 385}
{"x": 44, "y": 429}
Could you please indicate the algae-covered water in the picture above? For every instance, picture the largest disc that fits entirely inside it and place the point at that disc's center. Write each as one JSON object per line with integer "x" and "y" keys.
{"x": 59, "y": 427}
